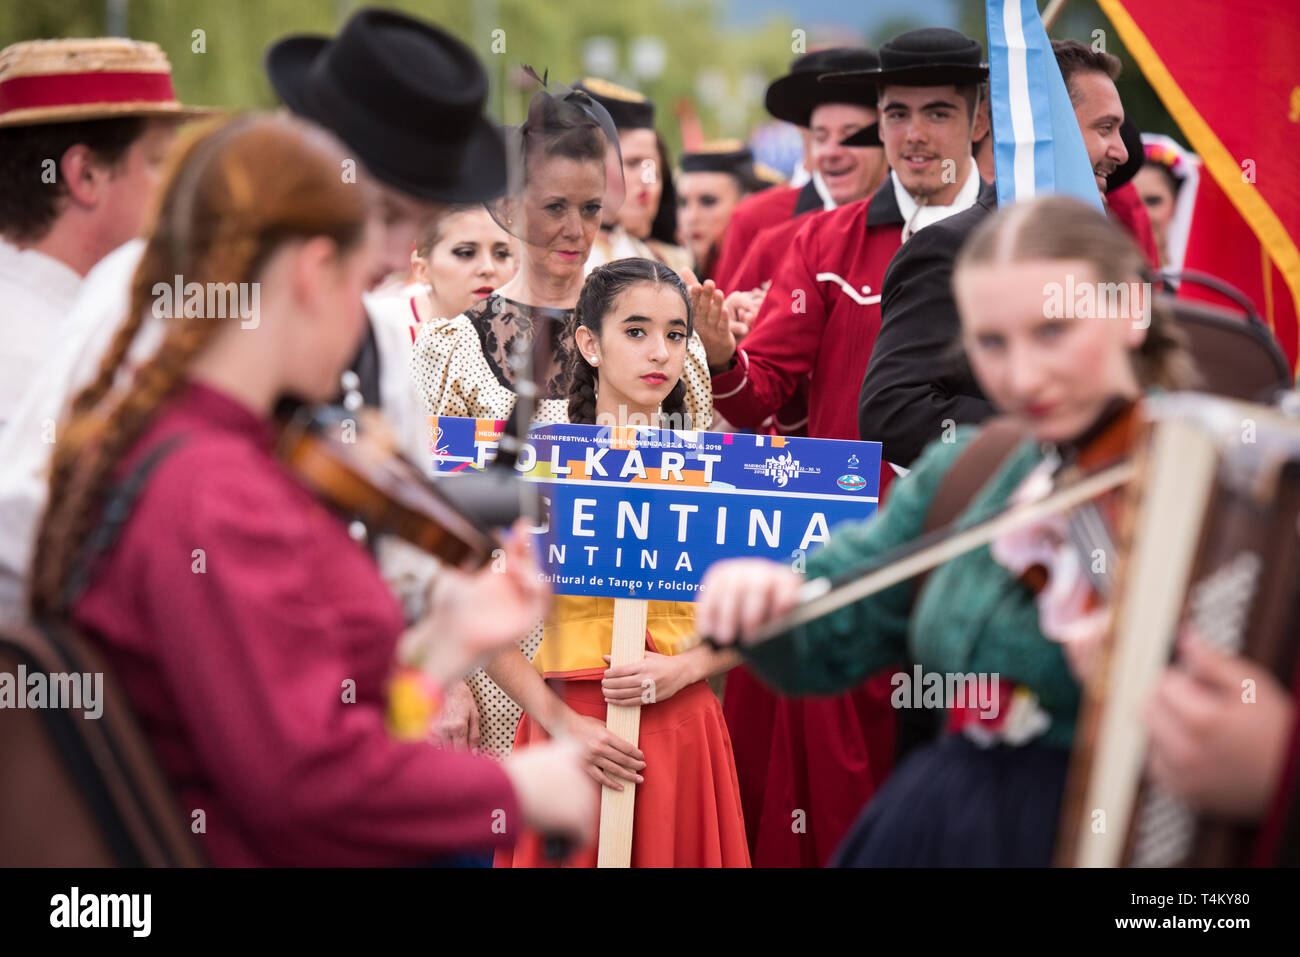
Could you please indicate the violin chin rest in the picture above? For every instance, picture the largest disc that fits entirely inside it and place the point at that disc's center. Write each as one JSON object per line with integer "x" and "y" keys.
{"x": 489, "y": 499}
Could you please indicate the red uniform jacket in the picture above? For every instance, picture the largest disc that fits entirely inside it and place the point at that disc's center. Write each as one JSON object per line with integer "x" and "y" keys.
{"x": 751, "y": 216}
{"x": 820, "y": 318}
{"x": 825, "y": 756}
{"x": 1126, "y": 206}
{"x": 765, "y": 254}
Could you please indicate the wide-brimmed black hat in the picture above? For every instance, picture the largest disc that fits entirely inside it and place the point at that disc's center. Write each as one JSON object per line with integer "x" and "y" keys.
{"x": 407, "y": 97}
{"x": 931, "y": 57}
{"x": 718, "y": 156}
{"x": 629, "y": 109}
{"x": 794, "y": 96}
{"x": 867, "y": 136}
{"x": 732, "y": 157}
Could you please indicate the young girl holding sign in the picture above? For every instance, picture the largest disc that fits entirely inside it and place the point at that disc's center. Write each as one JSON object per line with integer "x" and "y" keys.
{"x": 631, "y": 327}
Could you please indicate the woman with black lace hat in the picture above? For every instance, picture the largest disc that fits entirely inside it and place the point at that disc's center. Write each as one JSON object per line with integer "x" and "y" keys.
{"x": 565, "y": 176}
{"x": 710, "y": 182}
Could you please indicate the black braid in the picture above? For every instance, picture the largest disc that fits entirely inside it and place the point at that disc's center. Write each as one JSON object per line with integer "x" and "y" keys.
{"x": 582, "y": 390}
{"x": 673, "y": 414}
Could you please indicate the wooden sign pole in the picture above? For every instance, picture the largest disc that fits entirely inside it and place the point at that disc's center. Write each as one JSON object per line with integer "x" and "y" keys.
{"x": 616, "y": 807}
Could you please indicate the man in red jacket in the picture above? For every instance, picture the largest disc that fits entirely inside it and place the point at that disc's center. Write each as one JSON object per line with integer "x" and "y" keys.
{"x": 822, "y": 311}
{"x": 815, "y": 762}
{"x": 839, "y": 175}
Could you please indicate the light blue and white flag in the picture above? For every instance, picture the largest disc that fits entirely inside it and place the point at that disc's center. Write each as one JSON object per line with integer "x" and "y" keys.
{"x": 1037, "y": 146}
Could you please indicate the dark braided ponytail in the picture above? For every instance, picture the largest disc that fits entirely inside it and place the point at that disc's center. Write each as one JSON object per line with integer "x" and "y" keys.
{"x": 602, "y": 287}
{"x": 235, "y": 192}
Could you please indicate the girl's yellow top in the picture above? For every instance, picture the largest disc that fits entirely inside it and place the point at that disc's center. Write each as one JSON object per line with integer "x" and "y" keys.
{"x": 580, "y": 630}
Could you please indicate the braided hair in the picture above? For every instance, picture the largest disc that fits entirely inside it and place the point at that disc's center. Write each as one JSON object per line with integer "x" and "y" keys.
{"x": 602, "y": 287}
{"x": 234, "y": 193}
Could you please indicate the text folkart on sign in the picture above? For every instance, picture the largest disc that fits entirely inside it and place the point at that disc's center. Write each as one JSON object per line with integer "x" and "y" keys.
{"x": 643, "y": 513}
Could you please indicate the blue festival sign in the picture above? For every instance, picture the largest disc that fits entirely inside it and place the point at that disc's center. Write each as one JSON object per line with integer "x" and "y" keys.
{"x": 643, "y": 513}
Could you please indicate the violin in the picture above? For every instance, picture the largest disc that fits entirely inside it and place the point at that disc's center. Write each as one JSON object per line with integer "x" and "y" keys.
{"x": 350, "y": 461}
{"x": 1068, "y": 561}
{"x": 1098, "y": 463}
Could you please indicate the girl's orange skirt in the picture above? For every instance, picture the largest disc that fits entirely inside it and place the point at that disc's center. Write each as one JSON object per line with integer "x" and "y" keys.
{"x": 687, "y": 809}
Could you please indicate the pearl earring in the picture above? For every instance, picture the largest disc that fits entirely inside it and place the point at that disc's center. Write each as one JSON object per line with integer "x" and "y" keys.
{"x": 593, "y": 360}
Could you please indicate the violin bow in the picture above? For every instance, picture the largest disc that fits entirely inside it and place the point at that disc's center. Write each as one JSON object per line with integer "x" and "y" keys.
{"x": 821, "y": 596}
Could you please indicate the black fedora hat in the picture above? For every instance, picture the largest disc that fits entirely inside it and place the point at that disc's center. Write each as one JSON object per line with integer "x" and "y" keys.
{"x": 794, "y": 96}
{"x": 934, "y": 56}
{"x": 867, "y": 136}
{"x": 407, "y": 97}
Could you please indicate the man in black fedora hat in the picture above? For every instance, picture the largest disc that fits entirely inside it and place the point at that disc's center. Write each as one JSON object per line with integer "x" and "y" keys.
{"x": 818, "y": 322}
{"x": 408, "y": 98}
{"x": 838, "y": 175}
{"x": 755, "y": 246}
{"x": 927, "y": 87}
{"x": 916, "y": 387}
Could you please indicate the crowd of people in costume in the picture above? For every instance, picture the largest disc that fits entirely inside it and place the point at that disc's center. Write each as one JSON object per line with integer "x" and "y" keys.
{"x": 407, "y": 252}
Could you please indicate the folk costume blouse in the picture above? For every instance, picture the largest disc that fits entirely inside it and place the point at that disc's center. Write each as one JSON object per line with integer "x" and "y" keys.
{"x": 971, "y": 617}
{"x": 254, "y": 639}
{"x": 579, "y": 633}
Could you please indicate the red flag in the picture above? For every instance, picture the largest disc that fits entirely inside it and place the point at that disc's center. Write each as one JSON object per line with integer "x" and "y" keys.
{"x": 1226, "y": 73}
{"x": 1221, "y": 244}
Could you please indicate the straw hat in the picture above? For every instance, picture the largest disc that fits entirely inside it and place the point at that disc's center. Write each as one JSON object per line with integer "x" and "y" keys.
{"x": 62, "y": 81}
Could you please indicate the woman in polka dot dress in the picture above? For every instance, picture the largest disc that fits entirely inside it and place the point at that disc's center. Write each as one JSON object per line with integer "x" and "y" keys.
{"x": 461, "y": 365}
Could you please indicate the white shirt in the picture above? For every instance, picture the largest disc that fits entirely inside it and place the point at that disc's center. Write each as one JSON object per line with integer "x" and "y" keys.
{"x": 36, "y": 294}
{"x": 26, "y": 443}
{"x": 86, "y": 334}
{"x": 918, "y": 217}
{"x": 823, "y": 193}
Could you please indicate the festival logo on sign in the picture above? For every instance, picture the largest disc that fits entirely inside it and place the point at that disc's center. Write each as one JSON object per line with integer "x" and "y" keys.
{"x": 851, "y": 483}
{"x": 782, "y": 468}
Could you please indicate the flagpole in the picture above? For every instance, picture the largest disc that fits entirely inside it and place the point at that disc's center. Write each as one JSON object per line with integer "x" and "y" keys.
{"x": 1052, "y": 12}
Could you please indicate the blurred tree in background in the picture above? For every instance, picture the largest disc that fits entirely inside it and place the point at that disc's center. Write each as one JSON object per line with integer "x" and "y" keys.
{"x": 673, "y": 50}
{"x": 681, "y": 53}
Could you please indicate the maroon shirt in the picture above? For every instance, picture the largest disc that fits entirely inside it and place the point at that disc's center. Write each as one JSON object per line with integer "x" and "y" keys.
{"x": 236, "y": 658}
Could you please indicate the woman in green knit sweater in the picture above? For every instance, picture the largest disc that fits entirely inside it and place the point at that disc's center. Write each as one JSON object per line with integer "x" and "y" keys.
{"x": 987, "y": 792}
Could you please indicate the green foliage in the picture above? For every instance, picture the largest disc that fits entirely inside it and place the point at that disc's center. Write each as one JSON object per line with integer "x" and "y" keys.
{"x": 549, "y": 35}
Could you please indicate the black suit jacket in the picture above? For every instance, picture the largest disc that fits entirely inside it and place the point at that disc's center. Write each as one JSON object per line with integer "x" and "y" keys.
{"x": 916, "y": 377}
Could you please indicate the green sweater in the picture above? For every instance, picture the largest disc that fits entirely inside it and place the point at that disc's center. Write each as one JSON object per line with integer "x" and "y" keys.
{"x": 971, "y": 616}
